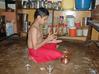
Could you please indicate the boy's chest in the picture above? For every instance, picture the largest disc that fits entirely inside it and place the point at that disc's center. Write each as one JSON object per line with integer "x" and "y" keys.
{"x": 39, "y": 36}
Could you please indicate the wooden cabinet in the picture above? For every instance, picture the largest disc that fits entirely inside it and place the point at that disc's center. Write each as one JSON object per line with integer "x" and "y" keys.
{"x": 95, "y": 35}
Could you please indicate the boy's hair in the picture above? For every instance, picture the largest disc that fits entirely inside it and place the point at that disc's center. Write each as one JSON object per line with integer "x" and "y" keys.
{"x": 41, "y": 12}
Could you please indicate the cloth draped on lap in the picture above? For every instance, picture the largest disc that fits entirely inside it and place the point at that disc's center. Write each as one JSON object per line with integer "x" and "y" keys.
{"x": 46, "y": 53}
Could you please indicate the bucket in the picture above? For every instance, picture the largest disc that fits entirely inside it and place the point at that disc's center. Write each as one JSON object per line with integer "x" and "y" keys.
{"x": 82, "y": 4}
{"x": 67, "y": 4}
{"x": 72, "y": 32}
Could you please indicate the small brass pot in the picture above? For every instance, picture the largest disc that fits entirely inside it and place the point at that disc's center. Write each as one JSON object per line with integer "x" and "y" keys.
{"x": 65, "y": 59}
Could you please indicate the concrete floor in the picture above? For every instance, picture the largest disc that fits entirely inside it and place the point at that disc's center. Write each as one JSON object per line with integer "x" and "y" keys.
{"x": 13, "y": 59}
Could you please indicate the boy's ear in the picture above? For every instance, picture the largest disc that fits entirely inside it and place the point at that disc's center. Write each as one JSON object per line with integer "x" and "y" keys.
{"x": 39, "y": 17}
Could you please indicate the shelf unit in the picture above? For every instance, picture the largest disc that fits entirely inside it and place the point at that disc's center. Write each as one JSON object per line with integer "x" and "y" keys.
{"x": 30, "y": 11}
{"x": 79, "y": 15}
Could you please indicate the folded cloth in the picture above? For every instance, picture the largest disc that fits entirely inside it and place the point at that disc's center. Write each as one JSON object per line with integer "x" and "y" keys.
{"x": 46, "y": 53}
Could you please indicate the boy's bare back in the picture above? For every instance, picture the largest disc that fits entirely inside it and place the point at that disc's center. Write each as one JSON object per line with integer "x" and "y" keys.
{"x": 35, "y": 36}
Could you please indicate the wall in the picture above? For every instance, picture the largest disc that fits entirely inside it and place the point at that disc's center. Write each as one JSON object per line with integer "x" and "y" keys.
{"x": 11, "y": 16}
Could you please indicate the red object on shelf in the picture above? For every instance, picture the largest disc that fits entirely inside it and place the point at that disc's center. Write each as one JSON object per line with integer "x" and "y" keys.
{"x": 78, "y": 24}
{"x": 72, "y": 32}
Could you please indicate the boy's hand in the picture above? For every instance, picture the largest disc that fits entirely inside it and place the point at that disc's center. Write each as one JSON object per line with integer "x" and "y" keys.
{"x": 55, "y": 41}
{"x": 51, "y": 37}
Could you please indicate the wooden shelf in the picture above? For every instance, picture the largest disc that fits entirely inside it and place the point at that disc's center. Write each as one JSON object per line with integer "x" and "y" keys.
{"x": 23, "y": 34}
{"x": 73, "y": 38}
{"x": 26, "y": 9}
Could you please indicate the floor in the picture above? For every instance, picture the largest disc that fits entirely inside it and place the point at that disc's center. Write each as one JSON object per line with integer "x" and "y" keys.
{"x": 83, "y": 59}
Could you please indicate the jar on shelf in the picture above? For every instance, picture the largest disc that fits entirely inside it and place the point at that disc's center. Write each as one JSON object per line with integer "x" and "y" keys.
{"x": 45, "y": 4}
{"x": 37, "y": 4}
{"x": 78, "y": 25}
{"x": 41, "y": 4}
{"x": 28, "y": 5}
{"x": 70, "y": 21}
{"x": 55, "y": 5}
{"x": 59, "y": 5}
{"x": 33, "y": 4}
{"x": 85, "y": 31}
{"x": 24, "y": 4}
{"x": 49, "y": 4}
{"x": 79, "y": 32}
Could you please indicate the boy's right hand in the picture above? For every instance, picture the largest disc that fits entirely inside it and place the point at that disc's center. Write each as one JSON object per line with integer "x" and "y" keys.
{"x": 51, "y": 37}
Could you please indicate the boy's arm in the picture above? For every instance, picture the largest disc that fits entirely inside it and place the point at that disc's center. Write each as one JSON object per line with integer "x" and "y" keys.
{"x": 35, "y": 40}
{"x": 55, "y": 41}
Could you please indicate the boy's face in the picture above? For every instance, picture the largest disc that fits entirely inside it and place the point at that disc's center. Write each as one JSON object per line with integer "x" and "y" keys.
{"x": 44, "y": 20}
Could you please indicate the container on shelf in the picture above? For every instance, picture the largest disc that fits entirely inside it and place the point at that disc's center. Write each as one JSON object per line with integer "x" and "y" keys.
{"x": 24, "y": 4}
{"x": 49, "y": 4}
{"x": 55, "y": 5}
{"x": 9, "y": 28}
{"x": 85, "y": 31}
{"x": 70, "y": 21}
{"x": 45, "y": 4}
{"x": 79, "y": 32}
{"x": 41, "y": 3}
{"x": 33, "y": 4}
{"x": 82, "y": 4}
{"x": 38, "y": 4}
{"x": 78, "y": 24}
{"x": 59, "y": 5}
{"x": 72, "y": 32}
{"x": 68, "y": 4}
